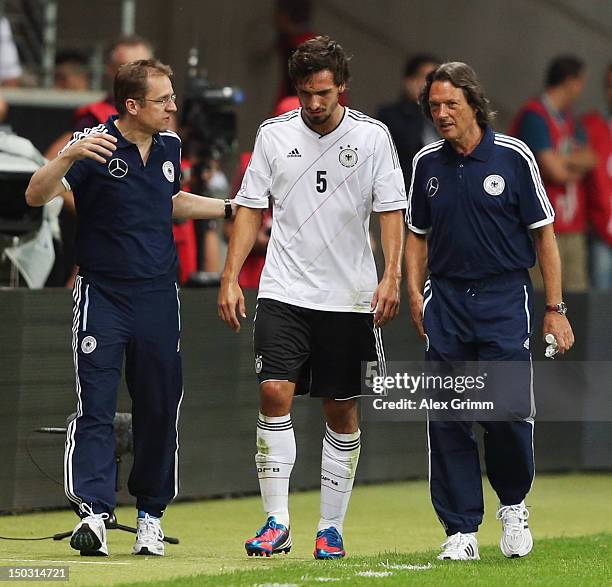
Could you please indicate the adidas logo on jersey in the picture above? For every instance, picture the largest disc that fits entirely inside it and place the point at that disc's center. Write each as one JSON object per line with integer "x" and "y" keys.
{"x": 294, "y": 153}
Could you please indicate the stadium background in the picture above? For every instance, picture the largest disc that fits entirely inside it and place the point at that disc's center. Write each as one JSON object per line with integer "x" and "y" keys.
{"x": 509, "y": 45}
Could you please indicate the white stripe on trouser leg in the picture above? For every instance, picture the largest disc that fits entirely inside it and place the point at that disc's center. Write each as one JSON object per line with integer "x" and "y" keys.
{"x": 176, "y": 452}
{"x": 339, "y": 459}
{"x": 178, "y": 407}
{"x": 532, "y": 408}
{"x": 178, "y": 306}
{"x": 527, "y": 310}
{"x": 86, "y": 308}
{"x": 532, "y": 452}
{"x": 71, "y": 432}
{"x": 274, "y": 459}
{"x": 426, "y": 301}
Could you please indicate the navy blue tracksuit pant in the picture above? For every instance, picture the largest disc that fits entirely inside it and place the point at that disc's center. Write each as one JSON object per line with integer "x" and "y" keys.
{"x": 484, "y": 320}
{"x": 139, "y": 322}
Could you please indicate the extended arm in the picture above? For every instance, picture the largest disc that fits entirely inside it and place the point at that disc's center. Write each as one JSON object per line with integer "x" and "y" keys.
{"x": 186, "y": 205}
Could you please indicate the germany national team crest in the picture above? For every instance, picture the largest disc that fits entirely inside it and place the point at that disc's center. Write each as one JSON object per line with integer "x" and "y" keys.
{"x": 348, "y": 156}
{"x": 89, "y": 345}
{"x": 494, "y": 184}
{"x": 168, "y": 169}
{"x": 258, "y": 364}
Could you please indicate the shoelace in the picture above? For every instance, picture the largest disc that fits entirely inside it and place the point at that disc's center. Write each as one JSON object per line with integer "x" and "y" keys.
{"x": 513, "y": 517}
{"x": 85, "y": 508}
{"x": 456, "y": 543}
{"x": 150, "y": 529}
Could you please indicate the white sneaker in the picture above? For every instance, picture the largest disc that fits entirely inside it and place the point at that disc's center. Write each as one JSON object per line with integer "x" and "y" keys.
{"x": 89, "y": 535}
{"x": 150, "y": 538}
{"x": 460, "y": 547}
{"x": 516, "y": 537}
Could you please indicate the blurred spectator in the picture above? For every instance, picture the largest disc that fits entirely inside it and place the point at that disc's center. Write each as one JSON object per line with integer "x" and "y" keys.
{"x": 184, "y": 233}
{"x": 253, "y": 265}
{"x": 409, "y": 128}
{"x": 3, "y": 109}
{"x": 559, "y": 145}
{"x": 124, "y": 50}
{"x": 208, "y": 180}
{"x": 10, "y": 68}
{"x": 293, "y": 27}
{"x": 599, "y": 191}
{"x": 71, "y": 71}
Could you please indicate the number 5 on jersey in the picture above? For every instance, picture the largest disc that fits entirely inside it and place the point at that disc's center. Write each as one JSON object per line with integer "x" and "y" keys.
{"x": 321, "y": 181}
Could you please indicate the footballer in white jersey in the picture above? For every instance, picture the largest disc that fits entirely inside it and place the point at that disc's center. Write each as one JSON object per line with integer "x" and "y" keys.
{"x": 323, "y": 168}
{"x": 323, "y": 190}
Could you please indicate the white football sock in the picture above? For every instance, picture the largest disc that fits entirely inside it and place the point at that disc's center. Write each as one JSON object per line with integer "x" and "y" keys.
{"x": 274, "y": 460}
{"x": 339, "y": 460}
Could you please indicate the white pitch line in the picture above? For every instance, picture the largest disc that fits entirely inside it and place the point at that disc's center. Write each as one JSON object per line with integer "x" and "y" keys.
{"x": 70, "y": 562}
{"x": 426, "y": 567}
{"x": 374, "y": 574}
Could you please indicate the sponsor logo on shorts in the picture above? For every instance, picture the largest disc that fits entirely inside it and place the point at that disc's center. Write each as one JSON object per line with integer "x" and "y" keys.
{"x": 89, "y": 344}
{"x": 526, "y": 343}
{"x": 258, "y": 364}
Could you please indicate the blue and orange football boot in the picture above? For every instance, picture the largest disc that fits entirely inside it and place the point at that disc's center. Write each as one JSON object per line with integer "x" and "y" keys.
{"x": 328, "y": 544}
{"x": 271, "y": 538}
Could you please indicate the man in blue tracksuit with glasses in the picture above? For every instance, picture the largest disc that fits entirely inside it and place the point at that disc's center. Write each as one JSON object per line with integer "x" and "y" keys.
{"x": 125, "y": 178}
{"x": 477, "y": 214}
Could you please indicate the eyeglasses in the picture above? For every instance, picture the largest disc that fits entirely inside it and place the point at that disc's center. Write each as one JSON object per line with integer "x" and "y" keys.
{"x": 162, "y": 101}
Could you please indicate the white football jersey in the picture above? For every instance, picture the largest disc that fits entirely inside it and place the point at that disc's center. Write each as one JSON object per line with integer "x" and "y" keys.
{"x": 323, "y": 190}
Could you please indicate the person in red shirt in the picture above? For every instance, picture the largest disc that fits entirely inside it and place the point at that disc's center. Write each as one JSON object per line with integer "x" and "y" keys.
{"x": 124, "y": 50}
{"x": 548, "y": 128}
{"x": 599, "y": 191}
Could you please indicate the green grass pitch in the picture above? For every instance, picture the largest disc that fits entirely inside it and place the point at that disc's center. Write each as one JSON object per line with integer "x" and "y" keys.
{"x": 391, "y": 536}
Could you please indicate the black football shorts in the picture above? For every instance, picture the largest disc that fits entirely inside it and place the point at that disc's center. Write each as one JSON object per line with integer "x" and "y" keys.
{"x": 322, "y": 352}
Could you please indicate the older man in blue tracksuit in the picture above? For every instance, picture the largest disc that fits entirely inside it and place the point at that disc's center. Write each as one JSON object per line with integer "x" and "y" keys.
{"x": 477, "y": 214}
